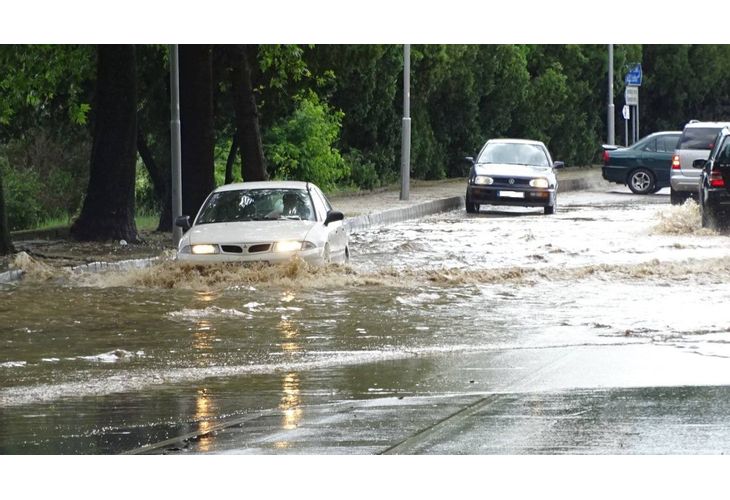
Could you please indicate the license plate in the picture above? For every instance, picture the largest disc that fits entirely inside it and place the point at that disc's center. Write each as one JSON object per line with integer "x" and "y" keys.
{"x": 511, "y": 194}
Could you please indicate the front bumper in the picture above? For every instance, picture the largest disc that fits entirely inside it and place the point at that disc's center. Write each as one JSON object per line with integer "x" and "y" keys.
{"x": 314, "y": 256}
{"x": 528, "y": 197}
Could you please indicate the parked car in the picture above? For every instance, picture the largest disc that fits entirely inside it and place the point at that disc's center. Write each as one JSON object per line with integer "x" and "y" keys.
{"x": 268, "y": 221}
{"x": 513, "y": 172}
{"x": 644, "y": 166}
{"x": 698, "y": 138}
{"x": 714, "y": 189}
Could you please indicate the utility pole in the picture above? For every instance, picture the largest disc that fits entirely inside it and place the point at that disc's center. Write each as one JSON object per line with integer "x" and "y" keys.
{"x": 405, "y": 152}
{"x": 611, "y": 110}
{"x": 175, "y": 142}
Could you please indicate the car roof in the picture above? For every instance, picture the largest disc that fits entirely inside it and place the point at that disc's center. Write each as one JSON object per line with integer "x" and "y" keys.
{"x": 515, "y": 141}
{"x": 706, "y": 124}
{"x": 265, "y": 185}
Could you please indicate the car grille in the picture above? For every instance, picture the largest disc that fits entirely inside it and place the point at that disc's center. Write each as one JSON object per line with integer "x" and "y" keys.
{"x": 259, "y": 247}
{"x": 505, "y": 181}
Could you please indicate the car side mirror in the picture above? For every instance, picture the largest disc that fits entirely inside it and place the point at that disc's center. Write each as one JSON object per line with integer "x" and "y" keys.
{"x": 699, "y": 163}
{"x": 183, "y": 221}
{"x": 333, "y": 216}
{"x": 469, "y": 159}
{"x": 558, "y": 164}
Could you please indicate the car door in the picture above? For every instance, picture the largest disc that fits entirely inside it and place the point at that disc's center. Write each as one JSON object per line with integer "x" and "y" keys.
{"x": 659, "y": 159}
{"x": 336, "y": 234}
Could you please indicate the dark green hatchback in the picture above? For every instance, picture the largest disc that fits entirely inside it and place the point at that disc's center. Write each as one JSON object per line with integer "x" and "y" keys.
{"x": 644, "y": 167}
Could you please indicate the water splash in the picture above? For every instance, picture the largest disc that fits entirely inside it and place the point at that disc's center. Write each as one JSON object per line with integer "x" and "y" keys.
{"x": 34, "y": 269}
{"x": 681, "y": 219}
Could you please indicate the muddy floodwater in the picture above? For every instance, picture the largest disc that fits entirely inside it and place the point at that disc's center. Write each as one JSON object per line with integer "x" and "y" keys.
{"x": 105, "y": 363}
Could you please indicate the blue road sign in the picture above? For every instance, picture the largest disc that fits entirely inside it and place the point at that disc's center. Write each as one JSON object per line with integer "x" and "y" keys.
{"x": 633, "y": 77}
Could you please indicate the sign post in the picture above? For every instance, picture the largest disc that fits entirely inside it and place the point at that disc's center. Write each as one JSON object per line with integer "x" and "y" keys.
{"x": 626, "y": 111}
{"x": 633, "y": 82}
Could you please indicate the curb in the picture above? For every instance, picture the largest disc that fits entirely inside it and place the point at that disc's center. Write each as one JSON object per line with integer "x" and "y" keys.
{"x": 97, "y": 267}
{"x": 11, "y": 276}
{"x": 361, "y": 222}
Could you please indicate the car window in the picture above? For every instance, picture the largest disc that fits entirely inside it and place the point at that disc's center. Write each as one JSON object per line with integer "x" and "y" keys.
{"x": 667, "y": 143}
{"x": 319, "y": 205}
{"x": 650, "y": 145}
{"x": 698, "y": 138}
{"x": 514, "y": 154}
{"x": 256, "y": 204}
{"x": 723, "y": 157}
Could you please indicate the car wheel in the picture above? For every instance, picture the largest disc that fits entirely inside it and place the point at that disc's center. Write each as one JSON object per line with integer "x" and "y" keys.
{"x": 641, "y": 181}
{"x": 676, "y": 197}
{"x": 707, "y": 216}
{"x": 550, "y": 209}
{"x": 471, "y": 208}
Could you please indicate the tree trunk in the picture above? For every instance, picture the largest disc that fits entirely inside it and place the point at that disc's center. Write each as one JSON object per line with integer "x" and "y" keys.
{"x": 196, "y": 125}
{"x": 253, "y": 164}
{"x": 231, "y": 158}
{"x": 161, "y": 182}
{"x": 108, "y": 211}
{"x": 6, "y": 246}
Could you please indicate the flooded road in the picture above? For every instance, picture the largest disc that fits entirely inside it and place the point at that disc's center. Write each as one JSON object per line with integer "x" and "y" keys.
{"x": 107, "y": 363}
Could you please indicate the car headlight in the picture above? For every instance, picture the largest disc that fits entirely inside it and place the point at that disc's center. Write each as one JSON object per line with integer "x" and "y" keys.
{"x": 539, "y": 183}
{"x": 287, "y": 246}
{"x": 483, "y": 180}
{"x": 204, "y": 249}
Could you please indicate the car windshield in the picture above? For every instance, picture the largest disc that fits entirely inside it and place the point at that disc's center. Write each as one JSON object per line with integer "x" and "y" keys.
{"x": 257, "y": 205}
{"x": 514, "y": 154}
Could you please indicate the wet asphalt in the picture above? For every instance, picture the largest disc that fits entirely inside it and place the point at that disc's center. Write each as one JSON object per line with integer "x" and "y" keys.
{"x": 630, "y": 399}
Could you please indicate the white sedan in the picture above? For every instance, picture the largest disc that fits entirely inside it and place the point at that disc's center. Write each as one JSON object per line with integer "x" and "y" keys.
{"x": 269, "y": 221}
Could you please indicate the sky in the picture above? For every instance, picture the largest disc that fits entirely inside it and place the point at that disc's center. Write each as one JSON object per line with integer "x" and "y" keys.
{"x": 342, "y": 21}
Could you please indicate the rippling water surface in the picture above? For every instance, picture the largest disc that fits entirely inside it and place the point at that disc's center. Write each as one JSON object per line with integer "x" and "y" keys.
{"x": 136, "y": 355}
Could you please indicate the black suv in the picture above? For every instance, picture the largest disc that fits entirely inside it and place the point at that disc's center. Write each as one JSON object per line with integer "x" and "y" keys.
{"x": 714, "y": 190}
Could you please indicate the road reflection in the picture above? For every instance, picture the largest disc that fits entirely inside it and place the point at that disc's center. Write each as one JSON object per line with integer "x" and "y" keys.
{"x": 290, "y": 403}
{"x": 204, "y": 410}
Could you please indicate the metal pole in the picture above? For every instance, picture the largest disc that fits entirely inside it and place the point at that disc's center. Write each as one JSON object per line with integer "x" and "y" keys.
{"x": 626, "y": 131}
{"x": 176, "y": 152}
{"x": 638, "y": 134}
{"x": 405, "y": 152}
{"x": 611, "y": 110}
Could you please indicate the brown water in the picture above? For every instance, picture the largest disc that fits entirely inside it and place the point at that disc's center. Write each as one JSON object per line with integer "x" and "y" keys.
{"x": 105, "y": 362}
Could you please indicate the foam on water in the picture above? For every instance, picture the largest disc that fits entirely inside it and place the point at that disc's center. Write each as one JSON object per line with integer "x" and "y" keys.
{"x": 681, "y": 220}
{"x": 208, "y": 312}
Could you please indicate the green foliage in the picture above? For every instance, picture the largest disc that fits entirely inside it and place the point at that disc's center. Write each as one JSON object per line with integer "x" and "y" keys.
{"x": 301, "y": 146}
{"x": 22, "y": 191}
{"x": 363, "y": 173}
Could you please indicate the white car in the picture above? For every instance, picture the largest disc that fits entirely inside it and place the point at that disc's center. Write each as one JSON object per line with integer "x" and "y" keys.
{"x": 269, "y": 221}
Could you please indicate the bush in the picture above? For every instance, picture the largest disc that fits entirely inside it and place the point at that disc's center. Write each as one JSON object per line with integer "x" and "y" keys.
{"x": 301, "y": 146}
{"x": 22, "y": 190}
{"x": 363, "y": 173}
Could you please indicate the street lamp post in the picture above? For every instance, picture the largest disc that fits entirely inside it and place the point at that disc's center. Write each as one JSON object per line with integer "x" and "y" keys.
{"x": 405, "y": 152}
{"x": 176, "y": 153}
{"x": 611, "y": 110}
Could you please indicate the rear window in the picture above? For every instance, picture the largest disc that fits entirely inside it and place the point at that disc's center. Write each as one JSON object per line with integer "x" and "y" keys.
{"x": 698, "y": 138}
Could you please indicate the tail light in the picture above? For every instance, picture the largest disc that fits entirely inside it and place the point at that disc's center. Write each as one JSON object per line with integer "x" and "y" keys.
{"x": 716, "y": 179}
{"x": 606, "y": 157}
{"x": 675, "y": 162}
